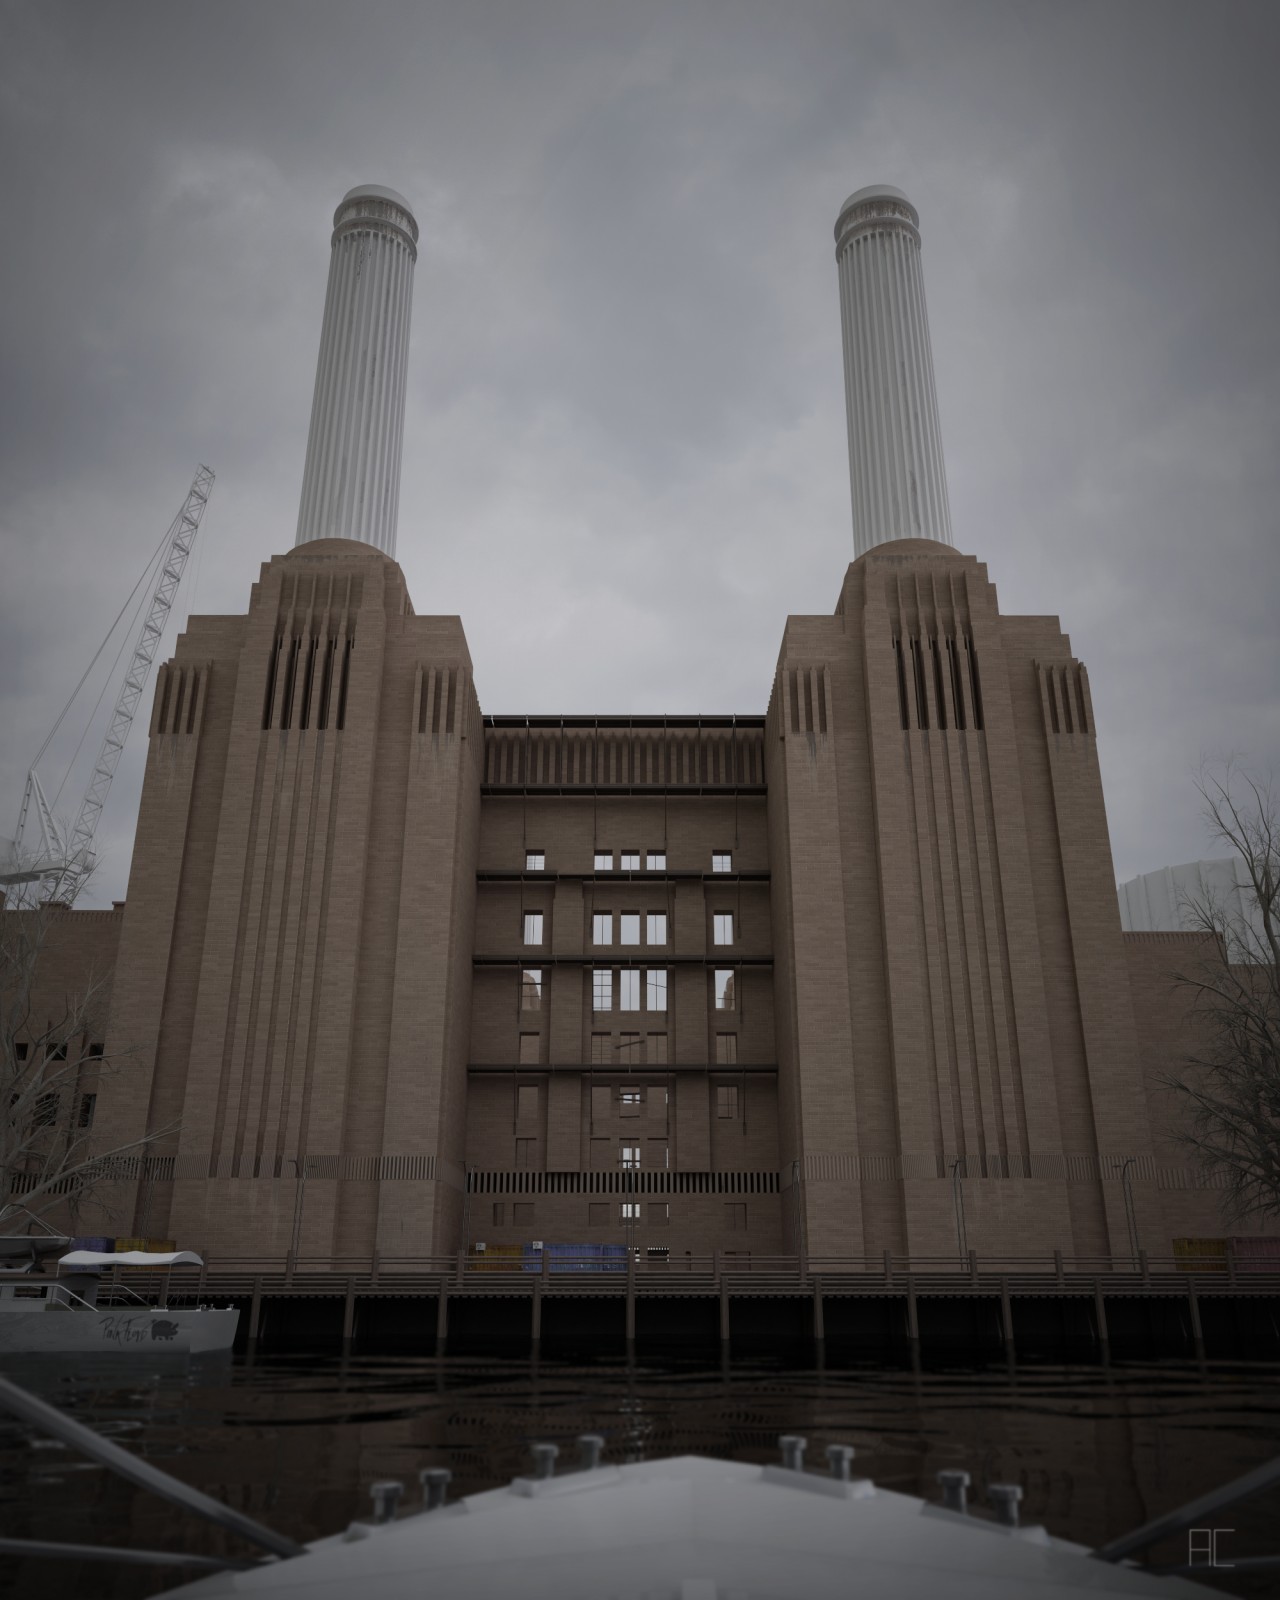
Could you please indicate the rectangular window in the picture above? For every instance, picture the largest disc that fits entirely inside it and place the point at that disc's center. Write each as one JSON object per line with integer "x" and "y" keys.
{"x": 598, "y": 1213}
{"x": 629, "y": 861}
{"x": 656, "y": 861}
{"x": 726, "y": 1048}
{"x": 602, "y": 1155}
{"x": 656, "y": 932}
{"x": 499, "y": 1213}
{"x": 630, "y": 1102}
{"x": 629, "y": 928}
{"x": 20, "y": 1050}
{"x": 524, "y": 1153}
{"x": 601, "y": 1102}
{"x": 529, "y": 1043}
{"x": 656, "y": 1100}
{"x": 94, "y": 1052}
{"x": 522, "y": 1212}
{"x": 724, "y": 989}
{"x": 721, "y": 861}
{"x": 602, "y": 990}
{"x": 629, "y": 1157}
{"x": 603, "y": 861}
{"x": 602, "y": 927}
{"x": 655, "y": 986}
{"x": 722, "y": 927}
{"x": 630, "y": 1048}
{"x": 657, "y": 1155}
{"x": 527, "y": 1102}
{"x": 533, "y": 927}
{"x": 46, "y": 1112}
{"x": 535, "y": 861}
{"x": 55, "y": 1052}
{"x": 735, "y": 1218}
{"x": 599, "y": 1049}
{"x": 657, "y": 1049}
{"x": 727, "y": 1100}
{"x": 629, "y": 990}
{"x": 88, "y": 1103}
{"x": 531, "y": 989}
{"x": 659, "y": 1217}
{"x": 630, "y": 1210}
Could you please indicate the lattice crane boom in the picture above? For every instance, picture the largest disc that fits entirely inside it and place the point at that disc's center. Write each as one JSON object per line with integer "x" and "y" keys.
{"x": 182, "y": 536}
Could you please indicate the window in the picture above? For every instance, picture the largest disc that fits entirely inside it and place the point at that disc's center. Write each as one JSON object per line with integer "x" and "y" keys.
{"x": 630, "y": 1047}
{"x": 20, "y": 1050}
{"x": 602, "y": 1155}
{"x": 727, "y": 1100}
{"x": 726, "y": 1048}
{"x": 658, "y": 1155}
{"x": 657, "y": 1049}
{"x": 721, "y": 861}
{"x": 629, "y": 1102}
{"x": 659, "y": 1217}
{"x": 599, "y": 1049}
{"x": 535, "y": 861}
{"x": 527, "y": 1101}
{"x": 629, "y": 928}
{"x": 521, "y": 1211}
{"x": 629, "y": 989}
{"x": 46, "y": 1112}
{"x": 735, "y": 1218}
{"x": 94, "y": 1052}
{"x": 88, "y": 1103}
{"x": 529, "y": 1048}
{"x": 656, "y": 932}
{"x": 531, "y": 989}
{"x": 629, "y": 1157}
{"x": 601, "y": 1102}
{"x": 656, "y": 861}
{"x": 598, "y": 1213}
{"x": 55, "y": 1052}
{"x": 655, "y": 983}
{"x": 656, "y": 1100}
{"x": 722, "y": 927}
{"x": 629, "y": 861}
{"x": 533, "y": 927}
{"x": 602, "y": 927}
{"x": 724, "y": 989}
{"x": 630, "y": 1210}
{"x": 524, "y": 1153}
{"x": 601, "y": 990}
{"x": 603, "y": 861}
{"x": 499, "y": 1214}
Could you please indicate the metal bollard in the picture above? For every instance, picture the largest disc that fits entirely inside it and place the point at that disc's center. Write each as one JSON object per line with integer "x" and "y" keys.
{"x": 955, "y": 1489}
{"x": 839, "y": 1457}
{"x": 386, "y": 1497}
{"x": 544, "y": 1460}
{"x": 435, "y": 1486}
{"x": 590, "y": 1446}
{"x": 793, "y": 1446}
{"x": 1004, "y": 1498}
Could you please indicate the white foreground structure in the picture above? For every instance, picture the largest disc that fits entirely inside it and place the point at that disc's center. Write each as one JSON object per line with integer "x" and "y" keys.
{"x": 1169, "y": 899}
{"x": 896, "y": 472}
{"x": 351, "y": 482}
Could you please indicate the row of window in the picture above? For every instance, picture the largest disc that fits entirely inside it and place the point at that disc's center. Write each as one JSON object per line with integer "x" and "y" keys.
{"x": 627, "y": 988}
{"x": 55, "y": 1052}
{"x": 629, "y": 860}
{"x": 629, "y": 922}
{"x": 602, "y": 1213}
{"x": 606, "y": 1099}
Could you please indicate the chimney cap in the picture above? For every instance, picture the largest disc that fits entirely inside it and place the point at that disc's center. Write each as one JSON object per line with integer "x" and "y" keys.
{"x": 874, "y": 191}
{"x": 376, "y": 191}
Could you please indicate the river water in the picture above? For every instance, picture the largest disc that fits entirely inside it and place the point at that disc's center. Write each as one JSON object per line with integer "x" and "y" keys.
{"x": 296, "y": 1442}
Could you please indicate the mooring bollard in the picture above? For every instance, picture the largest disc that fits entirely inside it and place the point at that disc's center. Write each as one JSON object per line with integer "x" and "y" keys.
{"x": 954, "y": 1482}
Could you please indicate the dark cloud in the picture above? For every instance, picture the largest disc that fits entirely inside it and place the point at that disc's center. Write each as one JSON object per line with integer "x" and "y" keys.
{"x": 625, "y": 456}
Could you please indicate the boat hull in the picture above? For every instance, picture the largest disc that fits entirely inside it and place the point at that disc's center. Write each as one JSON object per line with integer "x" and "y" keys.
{"x": 140, "y": 1329}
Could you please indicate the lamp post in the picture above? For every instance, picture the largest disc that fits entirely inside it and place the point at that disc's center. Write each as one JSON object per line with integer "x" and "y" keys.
{"x": 957, "y": 1201}
{"x": 1130, "y": 1215}
{"x": 300, "y": 1194}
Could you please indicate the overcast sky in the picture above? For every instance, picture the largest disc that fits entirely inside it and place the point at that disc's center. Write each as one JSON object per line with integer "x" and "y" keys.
{"x": 625, "y": 455}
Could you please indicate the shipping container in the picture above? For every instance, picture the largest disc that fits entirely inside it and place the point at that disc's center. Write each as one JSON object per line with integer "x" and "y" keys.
{"x": 575, "y": 1257}
{"x": 1200, "y": 1255}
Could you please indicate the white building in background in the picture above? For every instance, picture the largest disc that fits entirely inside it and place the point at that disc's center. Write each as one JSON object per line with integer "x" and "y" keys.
{"x": 1166, "y": 900}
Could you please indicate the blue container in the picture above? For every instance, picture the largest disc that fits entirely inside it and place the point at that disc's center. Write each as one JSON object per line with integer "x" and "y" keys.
{"x": 92, "y": 1242}
{"x": 576, "y": 1258}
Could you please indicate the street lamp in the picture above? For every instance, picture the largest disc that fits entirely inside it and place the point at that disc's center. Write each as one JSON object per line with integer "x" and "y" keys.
{"x": 299, "y": 1167}
{"x": 1130, "y": 1215}
{"x": 957, "y": 1201}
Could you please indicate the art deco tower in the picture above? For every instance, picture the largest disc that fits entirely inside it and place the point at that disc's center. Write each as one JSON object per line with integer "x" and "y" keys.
{"x": 351, "y": 482}
{"x": 896, "y": 472}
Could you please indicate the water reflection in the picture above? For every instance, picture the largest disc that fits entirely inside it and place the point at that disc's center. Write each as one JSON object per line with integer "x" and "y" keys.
{"x": 296, "y": 1443}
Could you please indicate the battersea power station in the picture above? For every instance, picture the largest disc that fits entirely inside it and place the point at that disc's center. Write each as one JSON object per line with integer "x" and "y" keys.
{"x": 841, "y": 974}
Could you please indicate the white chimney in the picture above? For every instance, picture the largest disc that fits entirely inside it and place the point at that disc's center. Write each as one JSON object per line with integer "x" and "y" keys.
{"x": 351, "y": 482}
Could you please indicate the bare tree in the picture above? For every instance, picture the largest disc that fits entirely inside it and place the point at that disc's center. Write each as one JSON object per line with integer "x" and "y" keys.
{"x": 53, "y": 1066}
{"x": 1233, "y": 1084}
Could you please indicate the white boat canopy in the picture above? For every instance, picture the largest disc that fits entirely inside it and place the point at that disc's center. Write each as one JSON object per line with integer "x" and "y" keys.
{"x": 130, "y": 1258}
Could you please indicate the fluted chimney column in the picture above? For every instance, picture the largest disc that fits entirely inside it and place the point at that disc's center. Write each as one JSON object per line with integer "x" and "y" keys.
{"x": 896, "y": 473}
{"x": 351, "y": 481}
